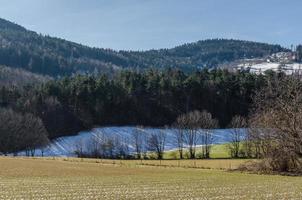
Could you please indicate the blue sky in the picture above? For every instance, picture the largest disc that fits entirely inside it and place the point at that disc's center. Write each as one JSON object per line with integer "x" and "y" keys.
{"x": 148, "y": 24}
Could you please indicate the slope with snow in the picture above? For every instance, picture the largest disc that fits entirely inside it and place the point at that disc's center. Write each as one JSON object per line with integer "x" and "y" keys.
{"x": 260, "y": 68}
{"x": 66, "y": 146}
{"x": 279, "y": 62}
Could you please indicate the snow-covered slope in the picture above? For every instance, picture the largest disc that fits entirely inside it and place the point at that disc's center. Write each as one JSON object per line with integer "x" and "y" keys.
{"x": 260, "y": 68}
{"x": 66, "y": 146}
{"x": 279, "y": 62}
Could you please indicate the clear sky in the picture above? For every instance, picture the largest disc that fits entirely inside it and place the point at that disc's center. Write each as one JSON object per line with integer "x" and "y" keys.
{"x": 147, "y": 24}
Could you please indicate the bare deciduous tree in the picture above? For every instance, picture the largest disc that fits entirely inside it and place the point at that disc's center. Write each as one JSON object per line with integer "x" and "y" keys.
{"x": 237, "y": 136}
{"x": 156, "y": 143}
{"x": 94, "y": 146}
{"x": 179, "y": 134}
{"x": 206, "y": 124}
{"x": 138, "y": 141}
{"x": 79, "y": 148}
{"x": 122, "y": 148}
{"x": 277, "y": 127}
{"x": 189, "y": 124}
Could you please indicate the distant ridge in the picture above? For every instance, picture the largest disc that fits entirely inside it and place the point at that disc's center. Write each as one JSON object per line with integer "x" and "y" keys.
{"x": 21, "y": 48}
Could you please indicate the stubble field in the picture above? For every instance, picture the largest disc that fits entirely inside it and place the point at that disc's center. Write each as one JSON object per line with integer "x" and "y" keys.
{"x": 22, "y": 178}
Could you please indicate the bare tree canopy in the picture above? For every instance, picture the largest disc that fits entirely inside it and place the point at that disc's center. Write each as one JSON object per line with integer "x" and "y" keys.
{"x": 207, "y": 124}
{"x": 138, "y": 138}
{"x": 156, "y": 143}
{"x": 179, "y": 135}
{"x": 237, "y": 136}
{"x": 193, "y": 127}
{"x": 21, "y": 132}
{"x": 277, "y": 123}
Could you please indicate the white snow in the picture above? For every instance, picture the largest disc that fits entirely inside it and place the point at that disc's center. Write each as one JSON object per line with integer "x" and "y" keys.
{"x": 66, "y": 146}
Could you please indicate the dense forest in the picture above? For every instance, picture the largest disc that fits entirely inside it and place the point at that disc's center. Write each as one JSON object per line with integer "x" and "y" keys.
{"x": 152, "y": 98}
{"x": 21, "y": 48}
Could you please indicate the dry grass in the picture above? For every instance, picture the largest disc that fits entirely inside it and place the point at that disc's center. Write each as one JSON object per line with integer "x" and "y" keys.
{"x": 22, "y": 178}
{"x": 222, "y": 164}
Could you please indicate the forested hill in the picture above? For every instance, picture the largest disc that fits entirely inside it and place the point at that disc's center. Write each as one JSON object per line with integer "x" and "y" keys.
{"x": 46, "y": 55}
{"x": 206, "y": 53}
{"x": 21, "y": 48}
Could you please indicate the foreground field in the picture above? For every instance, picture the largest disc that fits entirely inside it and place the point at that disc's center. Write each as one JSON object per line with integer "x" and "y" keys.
{"x": 23, "y": 178}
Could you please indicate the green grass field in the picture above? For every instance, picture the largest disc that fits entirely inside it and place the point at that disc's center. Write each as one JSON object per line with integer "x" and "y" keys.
{"x": 217, "y": 151}
{"x": 25, "y": 178}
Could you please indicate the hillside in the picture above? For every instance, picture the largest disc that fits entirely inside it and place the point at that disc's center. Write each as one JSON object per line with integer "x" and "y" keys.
{"x": 207, "y": 53}
{"x": 21, "y": 48}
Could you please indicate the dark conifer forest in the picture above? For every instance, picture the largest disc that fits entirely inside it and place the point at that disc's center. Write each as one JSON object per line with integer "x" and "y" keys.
{"x": 152, "y": 98}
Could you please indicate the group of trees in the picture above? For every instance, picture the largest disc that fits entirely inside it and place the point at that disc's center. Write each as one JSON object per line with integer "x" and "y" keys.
{"x": 189, "y": 130}
{"x": 144, "y": 144}
{"x": 21, "y": 132}
{"x": 194, "y": 127}
{"x": 103, "y": 146}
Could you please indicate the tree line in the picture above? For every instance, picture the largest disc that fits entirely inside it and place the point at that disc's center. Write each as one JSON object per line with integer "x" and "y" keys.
{"x": 189, "y": 130}
{"x": 192, "y": 135}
